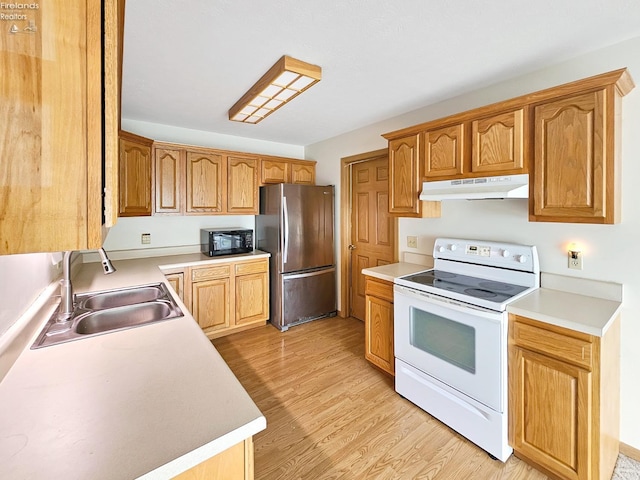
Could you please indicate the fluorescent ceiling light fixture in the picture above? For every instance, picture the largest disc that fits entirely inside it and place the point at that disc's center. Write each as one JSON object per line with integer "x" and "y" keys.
{"x": 287, "y": 79}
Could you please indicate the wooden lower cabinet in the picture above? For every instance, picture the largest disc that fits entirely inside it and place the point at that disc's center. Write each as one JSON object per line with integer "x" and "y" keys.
{"x": 226, "y": 298}
{"x": 177, "y": 283}
{"x": 564, "y": 399}
{"x": 235, "y": 463}
{"x": 379, "y": 324}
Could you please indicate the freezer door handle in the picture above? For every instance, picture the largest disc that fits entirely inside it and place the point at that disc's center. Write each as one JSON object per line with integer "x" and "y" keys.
{"x": 309, "y": 274}
{"x": 285, "y": 222}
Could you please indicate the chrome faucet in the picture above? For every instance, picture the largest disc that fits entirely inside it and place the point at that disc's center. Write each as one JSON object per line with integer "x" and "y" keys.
{"x": 66, "y": 288}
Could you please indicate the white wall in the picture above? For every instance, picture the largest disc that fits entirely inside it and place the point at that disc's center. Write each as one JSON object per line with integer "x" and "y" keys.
{"x": 610, "y": 250}
{"x": 167, "y": 133}
{"x": 22, "y": 279}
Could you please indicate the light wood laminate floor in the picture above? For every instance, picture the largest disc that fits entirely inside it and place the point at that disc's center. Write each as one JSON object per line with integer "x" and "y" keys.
{"x": 331, "y": 415}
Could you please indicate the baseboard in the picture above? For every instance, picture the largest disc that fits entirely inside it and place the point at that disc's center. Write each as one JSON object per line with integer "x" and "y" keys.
{"x": 629, "y": 451}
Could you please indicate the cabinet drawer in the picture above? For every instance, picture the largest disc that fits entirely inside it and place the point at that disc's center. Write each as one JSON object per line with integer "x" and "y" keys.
{"x": 252, "y": 267}
{"x": 218, "y": 271}
{"x": 564, "y": 347}
{"x": 379, "y": 288}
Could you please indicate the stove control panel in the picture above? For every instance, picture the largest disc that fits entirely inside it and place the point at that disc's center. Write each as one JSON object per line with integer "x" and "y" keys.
{"x": 489, "y": 253}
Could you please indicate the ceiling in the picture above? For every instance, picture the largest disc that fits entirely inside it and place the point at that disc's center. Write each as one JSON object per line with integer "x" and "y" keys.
{"x": 187, "y": 66}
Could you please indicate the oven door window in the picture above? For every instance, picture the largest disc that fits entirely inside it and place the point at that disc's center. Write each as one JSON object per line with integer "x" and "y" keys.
{"x": 448, "y": 340}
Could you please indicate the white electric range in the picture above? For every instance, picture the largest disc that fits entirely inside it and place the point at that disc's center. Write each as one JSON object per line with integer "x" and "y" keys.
{"x": 450, "y": 335}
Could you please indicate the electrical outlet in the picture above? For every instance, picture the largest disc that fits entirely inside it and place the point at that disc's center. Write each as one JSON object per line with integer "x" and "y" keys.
{"x": 412, "y": 241}
{"x": 146, "y": 238}
{"x": 575, "y": 260}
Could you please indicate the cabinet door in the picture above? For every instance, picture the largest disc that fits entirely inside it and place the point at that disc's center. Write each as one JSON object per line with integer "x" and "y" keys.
{"x": 210, "y": 303}
{"x": 242, "y": 187}
{"x": 252, "y": 298}
{"x": 169, "y": 180}
{"x": 571, "y": 165}
{"x": 551, "y": 404}
{"x": 498, "y": 143}
{"x": 177, "y": 283}
{"x": 444, "y": 152}
{"x": 303, "y": 173}
{"x": 135, "y": 178}
{"x": 379, "y": 333}
{"x": 206, "y": 188}
{"x": 274, "y": 171}
{"x": 404, "y": 177}
{"x": 52, "y": 117}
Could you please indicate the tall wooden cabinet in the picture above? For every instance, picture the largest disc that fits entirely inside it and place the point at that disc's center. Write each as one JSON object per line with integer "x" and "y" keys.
{"x": 405, "y": 180}
{"x": 242, "y": 185}
{"x": 56, "y": 121}
{"x": 379, "y": 324}
{"x": 564, "y": 398}
{"x": 135, "y": 172}
{"x": 205, "y": 191}
{"x": 575, "y": 172}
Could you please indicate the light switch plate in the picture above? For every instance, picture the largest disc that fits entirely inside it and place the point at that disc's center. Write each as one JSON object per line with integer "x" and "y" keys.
{"x": 146, "y": 238}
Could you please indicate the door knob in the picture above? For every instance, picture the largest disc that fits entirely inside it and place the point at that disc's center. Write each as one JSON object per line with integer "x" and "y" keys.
{"x": 352, "y": 247}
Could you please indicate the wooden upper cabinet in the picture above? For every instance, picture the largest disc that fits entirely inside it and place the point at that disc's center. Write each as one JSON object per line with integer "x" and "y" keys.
{"x": 135, "y": 175}
{"x": 242, "y": 185}
{"x": 59, "y": 128}
{"x": 404, "y": 176}
{"x": 303, "y": 173}
{"x": 206, "y": 189}
{"x": 444, "y": 152}
{"x": 497, "y": 143}
{"x": 169, "y": 180}
{"x": 275, "y": 171}
{"x": 574, "y": 164}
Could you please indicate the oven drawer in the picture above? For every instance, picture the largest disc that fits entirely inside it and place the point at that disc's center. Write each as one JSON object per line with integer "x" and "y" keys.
{"x": 553, "y": 341}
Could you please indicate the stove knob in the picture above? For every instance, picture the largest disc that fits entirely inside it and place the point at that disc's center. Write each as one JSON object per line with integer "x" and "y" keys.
{"x": 522, "y": 258}
{"x": 441, "y": 249}
{"x": 453, "y": 247}
{"x": 505, "y": 253}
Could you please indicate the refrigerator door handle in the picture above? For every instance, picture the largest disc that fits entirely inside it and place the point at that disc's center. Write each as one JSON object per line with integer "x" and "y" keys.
{"x": 285, "y": 221}
{"x": 309, "y": 274}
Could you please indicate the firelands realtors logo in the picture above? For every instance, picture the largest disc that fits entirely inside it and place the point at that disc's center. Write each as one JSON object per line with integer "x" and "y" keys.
{"x": 18, "y": 14}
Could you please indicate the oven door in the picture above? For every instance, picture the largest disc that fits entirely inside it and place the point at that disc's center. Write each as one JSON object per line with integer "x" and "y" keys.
{"x": 462, "y": 346}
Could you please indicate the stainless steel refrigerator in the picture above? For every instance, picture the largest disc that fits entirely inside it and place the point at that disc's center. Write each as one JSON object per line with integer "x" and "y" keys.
{"x": 295, "y": 225}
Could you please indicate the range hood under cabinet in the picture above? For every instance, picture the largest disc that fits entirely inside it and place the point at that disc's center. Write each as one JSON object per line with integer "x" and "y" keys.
{"x": 500, "y": 187}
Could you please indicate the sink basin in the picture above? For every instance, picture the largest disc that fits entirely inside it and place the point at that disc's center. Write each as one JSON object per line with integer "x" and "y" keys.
{"x": 122, "y": 317}
{"x": 98, "y": 313}
{"x": 119, "y": 298}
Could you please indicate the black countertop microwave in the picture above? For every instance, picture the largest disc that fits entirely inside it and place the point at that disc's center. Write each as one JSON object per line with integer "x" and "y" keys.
{"x": 225, "y": 241}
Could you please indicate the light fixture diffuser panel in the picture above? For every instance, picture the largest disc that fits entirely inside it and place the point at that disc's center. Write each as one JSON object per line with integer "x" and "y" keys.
{"x": 269, "y": 93}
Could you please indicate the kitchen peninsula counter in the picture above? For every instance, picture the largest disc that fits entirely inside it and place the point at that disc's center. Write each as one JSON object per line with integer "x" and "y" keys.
{"x": 149, "y": 402}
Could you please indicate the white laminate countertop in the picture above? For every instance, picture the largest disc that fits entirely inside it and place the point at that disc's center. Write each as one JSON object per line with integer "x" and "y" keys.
{"x": 393, "y": 270}
{"x": 147, "y": 402}
{"x": 581, "y": 313}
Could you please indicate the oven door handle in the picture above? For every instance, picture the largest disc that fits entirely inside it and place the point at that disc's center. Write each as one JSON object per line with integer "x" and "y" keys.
{"x": 447, "y": 303}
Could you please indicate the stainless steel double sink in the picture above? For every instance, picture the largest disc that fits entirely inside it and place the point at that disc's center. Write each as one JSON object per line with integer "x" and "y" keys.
{"x": 97, "y": 313}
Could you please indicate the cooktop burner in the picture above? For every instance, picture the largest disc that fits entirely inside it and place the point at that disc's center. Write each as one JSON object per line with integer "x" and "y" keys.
{"x": 498, "y": 292}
